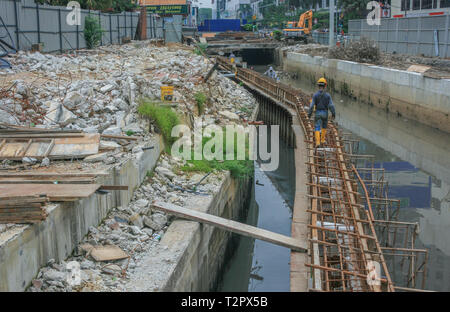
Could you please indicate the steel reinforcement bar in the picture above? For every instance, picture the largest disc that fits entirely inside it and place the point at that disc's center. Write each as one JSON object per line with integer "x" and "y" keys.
{"x": 345, "y": 254}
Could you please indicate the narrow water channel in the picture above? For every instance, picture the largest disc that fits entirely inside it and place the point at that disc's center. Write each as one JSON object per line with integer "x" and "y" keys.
{"x": 416, "y": 159}
{"x": 258, "y": 265}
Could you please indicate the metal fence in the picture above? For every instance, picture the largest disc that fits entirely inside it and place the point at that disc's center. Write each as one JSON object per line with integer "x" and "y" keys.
{"x": 30, "y": 23}
{"x": 427, "y": 35}
{"x": 322, "y": 38}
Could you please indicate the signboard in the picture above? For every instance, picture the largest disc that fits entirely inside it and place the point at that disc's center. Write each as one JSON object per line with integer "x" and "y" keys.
{"x": 168, "y": 9}
{"x": 166, "y": 93}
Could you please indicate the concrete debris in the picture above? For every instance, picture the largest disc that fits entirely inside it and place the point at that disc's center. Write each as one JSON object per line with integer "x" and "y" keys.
{"x": 95, "y": 92}
{"x": 101, "y": 96}
{"x": 29, "y": 160}
{"x": 96, "y": 158}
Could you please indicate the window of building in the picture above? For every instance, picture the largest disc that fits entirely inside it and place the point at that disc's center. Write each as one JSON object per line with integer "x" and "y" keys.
{"x": 427, "y": 4}
{"x": 445, "y": 3}
{"x": 328, "y": 3}
{"x": 406, "y": 5}
{"x": 435, "y": 4}
{"x": 416, "y": 4}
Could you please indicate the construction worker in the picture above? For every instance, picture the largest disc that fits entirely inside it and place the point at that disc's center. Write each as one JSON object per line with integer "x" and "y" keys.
{"x": 271, "y": 73}
{"x": 322, "y": 102}
{"x": 232, "y": 57}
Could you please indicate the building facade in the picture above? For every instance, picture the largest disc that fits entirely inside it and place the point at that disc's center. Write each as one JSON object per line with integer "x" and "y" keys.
{"x": 414, "y": 8}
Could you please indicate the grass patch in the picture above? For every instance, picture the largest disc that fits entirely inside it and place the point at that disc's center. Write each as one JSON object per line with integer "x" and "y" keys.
{"x": 129, "y": 132}
{"x": 238, "y": 168}
{"x": 200, "y": 98}
{"x": 200, "y": 48}
{"x": 163, "y": 116}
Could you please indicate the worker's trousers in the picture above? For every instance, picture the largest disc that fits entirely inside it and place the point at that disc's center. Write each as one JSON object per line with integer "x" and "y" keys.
{"x": 321, "y": 120}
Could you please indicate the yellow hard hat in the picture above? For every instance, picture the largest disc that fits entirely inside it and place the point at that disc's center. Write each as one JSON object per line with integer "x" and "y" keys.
{"x": 322, "y": 82}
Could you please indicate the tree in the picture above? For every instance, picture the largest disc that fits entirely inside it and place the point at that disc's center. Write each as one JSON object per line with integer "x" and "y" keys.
{"x": 354, "y": 9}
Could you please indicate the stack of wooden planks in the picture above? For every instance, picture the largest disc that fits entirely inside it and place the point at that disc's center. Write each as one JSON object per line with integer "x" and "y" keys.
{"x": 24, "y": 194}
{"x": 23, "y": 209}
{"x": 17, "y": 142}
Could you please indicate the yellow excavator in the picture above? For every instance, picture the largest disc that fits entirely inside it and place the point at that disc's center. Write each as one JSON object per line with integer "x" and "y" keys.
{"x": 299, "y": 30}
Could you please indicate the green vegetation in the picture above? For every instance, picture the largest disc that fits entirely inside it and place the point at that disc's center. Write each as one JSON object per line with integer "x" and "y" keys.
{"x": 164, "y": 117}
{"x": 92, "y": 32}
{"x": 200, "y": 48}
{"x": 129, "y": 132}
{"x": 250, "y": 27}
{"x": 200, "y": 98}
{"x": 238, "y": 168}
{"x": 277, "y": 34}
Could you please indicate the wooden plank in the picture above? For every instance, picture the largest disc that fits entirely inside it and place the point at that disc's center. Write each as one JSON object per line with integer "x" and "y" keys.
{"x": 55, "y": 192}
{"x": 27, "y": 147}
{"x": 46, "y": 181}
{"x": 53, "y": 174}
{"x": 114, "y": 187}
{"x": 23, "y": 200}
{"x": 230, "y": 225}
{"x": 119, "y": 137}
{"x": 418, "y": 68}
{"x": 40, "y": 135}
{"x": 51, "y": 146}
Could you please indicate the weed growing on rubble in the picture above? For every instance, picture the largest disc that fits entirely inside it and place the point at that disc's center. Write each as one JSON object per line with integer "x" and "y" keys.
{"x": 164, "y": 117}
{"x": 200, "y": 98}
{"x": 92, "y": 32}
{"x": 200, "y": 48}
{"x": 238, "y": 168}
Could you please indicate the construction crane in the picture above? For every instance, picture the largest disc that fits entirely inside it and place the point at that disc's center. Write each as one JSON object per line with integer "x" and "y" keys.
{"x": 299, "y": 30}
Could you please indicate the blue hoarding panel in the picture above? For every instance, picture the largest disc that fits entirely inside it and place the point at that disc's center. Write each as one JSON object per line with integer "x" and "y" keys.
{"x": 220, "y": 25}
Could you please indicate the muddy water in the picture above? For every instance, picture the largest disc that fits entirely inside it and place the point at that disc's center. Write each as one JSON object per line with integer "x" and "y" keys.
{"x": 258, "y": 265}
{"x": 416, "y": 159}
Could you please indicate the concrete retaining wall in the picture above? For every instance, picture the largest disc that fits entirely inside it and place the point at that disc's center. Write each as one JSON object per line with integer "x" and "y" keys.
{"x": 205, "y": 249}
{"x": 24, "y": 250}
{"x": 409, "y": 94}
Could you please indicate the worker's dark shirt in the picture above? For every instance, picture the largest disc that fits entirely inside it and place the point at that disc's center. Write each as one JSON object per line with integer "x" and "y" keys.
{"x": 322, "y": 100}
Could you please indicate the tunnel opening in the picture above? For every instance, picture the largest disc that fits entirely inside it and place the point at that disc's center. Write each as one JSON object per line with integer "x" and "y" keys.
{"x": 257, "y": 56}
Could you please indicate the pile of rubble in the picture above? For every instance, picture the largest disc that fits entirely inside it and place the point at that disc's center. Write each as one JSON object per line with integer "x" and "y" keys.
{"x": 135, "y": 229}
{"x": 98, "y": 92}
{"x": 362, "y": 51}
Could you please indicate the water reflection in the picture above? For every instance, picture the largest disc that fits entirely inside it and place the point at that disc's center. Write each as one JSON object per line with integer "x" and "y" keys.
{"x": 258, "y": 265}
{"x": 416, "y": 159}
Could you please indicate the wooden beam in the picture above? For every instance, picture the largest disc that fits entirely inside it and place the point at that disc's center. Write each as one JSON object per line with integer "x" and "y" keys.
{"x": 119, "y": 137}
{"x": 230, "y": 225}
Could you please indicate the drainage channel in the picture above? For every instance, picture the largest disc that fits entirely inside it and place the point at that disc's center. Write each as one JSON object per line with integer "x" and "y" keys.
{"x": 416, "y": 160}
{"x": 257, "y": 265}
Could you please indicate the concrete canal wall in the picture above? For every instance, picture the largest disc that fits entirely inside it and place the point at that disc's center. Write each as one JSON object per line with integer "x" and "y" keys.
{"x": 25, "y": 249}
{"x": 408, "y": 94}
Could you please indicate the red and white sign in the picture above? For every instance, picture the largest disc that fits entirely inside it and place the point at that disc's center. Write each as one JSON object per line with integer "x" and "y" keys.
{"x": 418, "y": 14}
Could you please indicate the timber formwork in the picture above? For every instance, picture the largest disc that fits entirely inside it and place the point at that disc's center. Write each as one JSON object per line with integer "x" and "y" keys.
{"x": 345, "y": 254}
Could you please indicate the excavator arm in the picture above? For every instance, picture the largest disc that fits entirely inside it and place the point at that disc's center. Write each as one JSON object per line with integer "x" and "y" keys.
{"x": 307, "y": 16}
